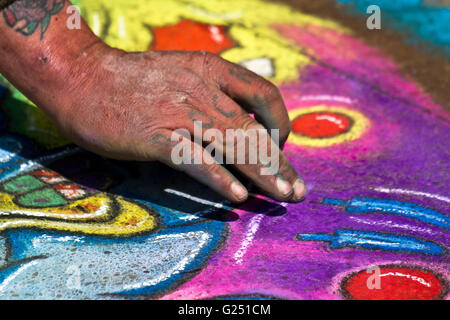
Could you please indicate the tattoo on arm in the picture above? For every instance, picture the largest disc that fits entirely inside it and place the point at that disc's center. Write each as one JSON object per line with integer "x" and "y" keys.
{"x": 26, "y": 16}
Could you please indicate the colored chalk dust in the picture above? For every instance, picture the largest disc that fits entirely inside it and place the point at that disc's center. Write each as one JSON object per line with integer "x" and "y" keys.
{"x": 191, "y": 35}
{"x": 394, "y": 283}
{"x": 322, "y": 125}
{"x": 371, "y": 145}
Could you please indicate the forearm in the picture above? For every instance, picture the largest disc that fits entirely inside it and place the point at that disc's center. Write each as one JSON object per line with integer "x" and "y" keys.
{"x": 40, "y": 55}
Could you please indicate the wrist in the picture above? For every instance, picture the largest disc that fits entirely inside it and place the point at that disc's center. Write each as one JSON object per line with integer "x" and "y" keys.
{"x": 45, "y": 68}
{"x": 55, "y": 80}
{"x": 73, "y": 76}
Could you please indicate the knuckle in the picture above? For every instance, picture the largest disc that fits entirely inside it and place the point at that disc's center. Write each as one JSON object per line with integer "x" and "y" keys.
{"x": 180, "y": 98}
{"x": 214, "y": 171}
{"x": 208, "y": 57}
{"x": 246, "y": 122}
{"x": 200, "y": 90}
{"x": 270, "y": 91}
{"x": 209, "y": 63}
{"x": 192, "y": 85}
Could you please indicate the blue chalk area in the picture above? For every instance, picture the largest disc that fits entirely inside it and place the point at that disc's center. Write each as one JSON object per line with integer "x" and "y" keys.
{"x": 406, "y": 209}
{"x": 336, "y": 202}
{"x": 427, "y": 23}
{"x": 15, "y": 152}
{"x": 388, "y": 206}
{"x": 374, "y": 240}
{"x": 19, "y": 155}
{"x": 214, "y": 228}
{"x": 185, "y": 252}
{"x": 156, "y": 260}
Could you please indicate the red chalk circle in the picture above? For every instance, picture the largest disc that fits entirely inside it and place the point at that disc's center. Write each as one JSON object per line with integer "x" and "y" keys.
{"x": 395, "y": 283}
{"x": 189, "y": 35}
{"x": 321, "y": 124}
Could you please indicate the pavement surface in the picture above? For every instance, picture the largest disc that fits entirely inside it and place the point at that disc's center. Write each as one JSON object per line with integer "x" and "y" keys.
{"x": 370, "y": 138}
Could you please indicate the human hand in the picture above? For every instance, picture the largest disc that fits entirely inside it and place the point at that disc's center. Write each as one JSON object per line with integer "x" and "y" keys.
{"x": 127, "y": 106}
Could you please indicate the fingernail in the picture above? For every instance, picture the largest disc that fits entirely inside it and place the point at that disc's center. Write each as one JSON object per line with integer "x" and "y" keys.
{"x": 299, "y": 190}
{"x": 283, "y": 186}
{"x": 238, "y": 190}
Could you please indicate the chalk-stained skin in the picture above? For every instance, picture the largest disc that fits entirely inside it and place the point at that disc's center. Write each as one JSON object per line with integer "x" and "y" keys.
{"x": 246, "y": 77}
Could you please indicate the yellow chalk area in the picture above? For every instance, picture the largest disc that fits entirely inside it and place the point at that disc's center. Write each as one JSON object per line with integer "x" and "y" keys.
{"x": 96, "y": 215}
{"x": 126, "y": 24}
{"x": 359, "y": 126}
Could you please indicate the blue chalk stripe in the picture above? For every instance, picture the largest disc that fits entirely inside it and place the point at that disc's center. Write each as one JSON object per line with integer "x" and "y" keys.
{"x": 374, "y": 240}
{"x": 388, "y": 206}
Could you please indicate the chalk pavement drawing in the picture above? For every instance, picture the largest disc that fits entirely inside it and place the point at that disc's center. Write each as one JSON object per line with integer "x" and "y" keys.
{"x": 372, "y": 146}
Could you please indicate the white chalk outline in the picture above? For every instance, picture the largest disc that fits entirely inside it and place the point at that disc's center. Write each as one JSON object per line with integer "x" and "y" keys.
{"x": 412, "y": 192}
